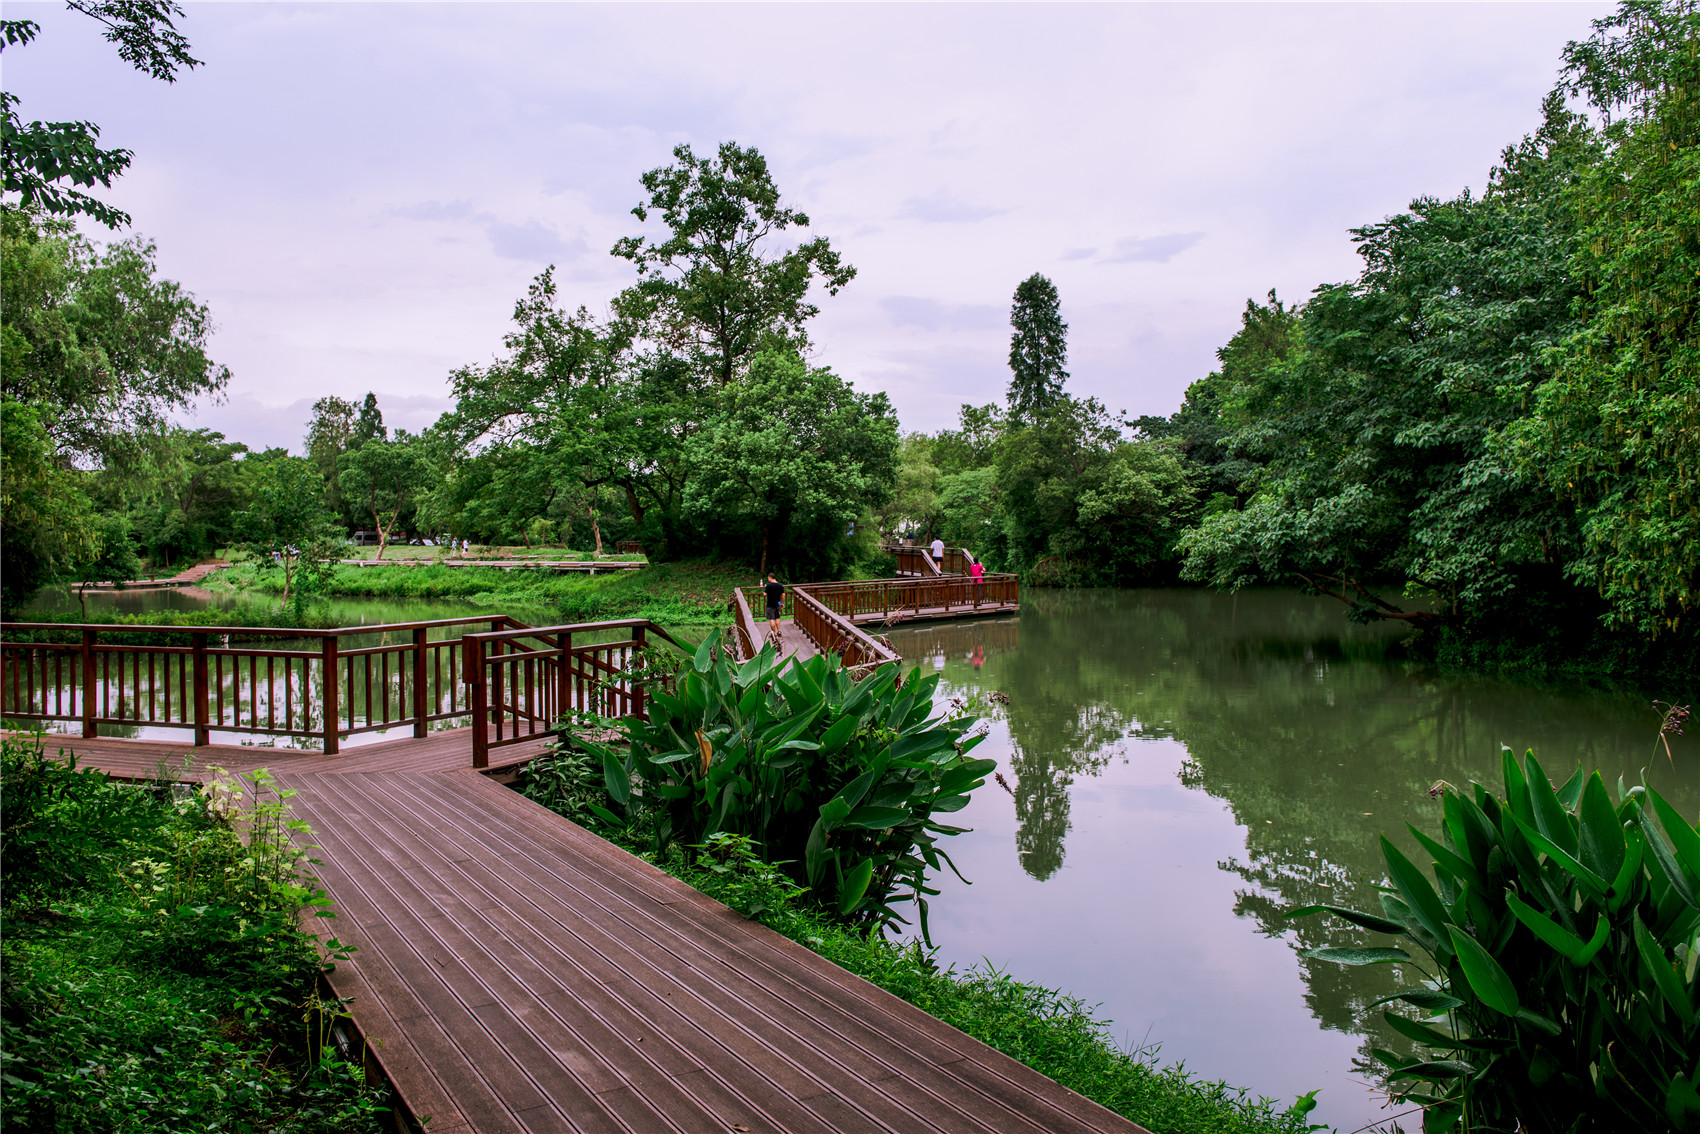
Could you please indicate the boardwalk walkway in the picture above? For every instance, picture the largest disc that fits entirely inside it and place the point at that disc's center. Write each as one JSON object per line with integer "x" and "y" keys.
{"x": 517, "y": 974}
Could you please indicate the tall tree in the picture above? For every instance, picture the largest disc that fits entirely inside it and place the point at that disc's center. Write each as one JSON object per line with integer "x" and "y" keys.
{"x": 42, "y": 160}
{"x": 286, "y": 521}
{"x": 330, "y": 432}
{"x": 716, "y": 287}
{"x": 1038, "y": 349}
{"x": 369, "y": 426}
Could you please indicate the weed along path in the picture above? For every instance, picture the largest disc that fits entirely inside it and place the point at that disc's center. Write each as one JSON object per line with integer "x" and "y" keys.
{"x": 516, "y": 973}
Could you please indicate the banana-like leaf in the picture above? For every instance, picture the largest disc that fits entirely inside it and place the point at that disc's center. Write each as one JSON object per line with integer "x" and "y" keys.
{"x": 1682, "y": 1103}
{"x": 855, "y": 885}
{"x": 1413, "y": 885}
{"x": 1623, "y": 886}
{"x": 1684, "y": 837}
{"x": 1602, "y": 846}
{"x": 838, "y": 734}
{"x": 1438, "y": 1070}
{"x": 1422, "y": 1033}
{"x": 876, "y": 818}
{"x": 1681, "y": 885}
{"x": 1368, "y": 921}
{"x": 704, "y": 657}
{"x": 1563, "y": 858}
{"x": 618, "y": 780}
{"x": 1551, "y": 818}
{"x": 1492, "y": 985}
{"x": 1448, "y": 860}
{"x": 1428, "y": 999}
{"x": 1574, "y": 949}
{"x": 1671, "y": 986}
{"x": 1357, "y": 955}
{"x": 1516, "y": 786}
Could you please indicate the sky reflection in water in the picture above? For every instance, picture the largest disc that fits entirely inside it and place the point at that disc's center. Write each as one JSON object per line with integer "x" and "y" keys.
{"x": 1186, "y": 765}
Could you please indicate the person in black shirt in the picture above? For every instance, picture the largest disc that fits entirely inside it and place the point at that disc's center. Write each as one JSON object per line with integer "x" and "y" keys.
{"x": 775, "y": 592}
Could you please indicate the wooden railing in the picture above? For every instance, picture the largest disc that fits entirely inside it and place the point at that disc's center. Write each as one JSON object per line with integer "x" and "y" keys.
{"x": 894, "y": 599}
{"x": 230, "y": 679}
{"x": 521, "y": 680}
{"x": 746, "y": 632}
{"x": 833, "y": 634}
{"x": 919, "y": 561}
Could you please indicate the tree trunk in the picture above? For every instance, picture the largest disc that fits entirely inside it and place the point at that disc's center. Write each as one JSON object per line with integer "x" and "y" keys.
{"x": 763, "y": 569}
{"x": 632, "y": 503}
{"x": 596, "y": 530}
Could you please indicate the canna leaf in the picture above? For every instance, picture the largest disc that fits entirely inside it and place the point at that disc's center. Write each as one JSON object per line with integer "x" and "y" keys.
{"x": 619, "y": 781}
{"x": 1671, "y": 986}
{"x": 1684, "y": 837}
{"x": 1574, "y": 949}
{"x": 1449, "y": 860}
{"x": 1428, "y": 999}
{"x": 855, "y": 885}
{"x": 1491, "y": 983}
{"x": 1602, "y": 846}
{"x": 1673, "y": 871}
{"x": 703, "y": 660}
{"x": 1368, "y": 921}
{"x": 1516, "y": 787}
{"x": 838, "y": 734}
{"x": 1562, "y": 858}
{"x": 1413, "y": 885}
{"x": 1551, "y": 818}
{"x": 1570, "y": 791}
{"x": 1357, "y": 955}
{"x": 1422, "y": 1033}
{"x": 1436, "y": 1069}
{"x": 876, "y": 818}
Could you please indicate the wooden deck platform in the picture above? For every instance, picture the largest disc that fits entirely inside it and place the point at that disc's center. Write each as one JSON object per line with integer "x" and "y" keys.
{"x": 935, "y": 614}
{"x": 516, "y": 973}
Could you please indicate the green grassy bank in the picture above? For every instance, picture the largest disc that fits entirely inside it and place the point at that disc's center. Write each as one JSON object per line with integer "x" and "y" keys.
{"x": 155, "y": 977}
{"x": 689, "y": 593}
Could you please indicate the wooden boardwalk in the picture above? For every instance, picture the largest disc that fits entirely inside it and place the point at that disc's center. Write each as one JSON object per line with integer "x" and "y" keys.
{"x": 516, "y": 973}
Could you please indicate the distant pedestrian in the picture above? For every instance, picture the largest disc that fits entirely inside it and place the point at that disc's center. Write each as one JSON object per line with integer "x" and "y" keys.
{"x": 938, "y": 553}
{"x": 774, "y": 590}
{"x": 978, "y": 574}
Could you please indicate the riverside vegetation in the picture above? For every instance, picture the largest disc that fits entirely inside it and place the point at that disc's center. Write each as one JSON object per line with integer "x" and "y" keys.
{"x": 811, "y": 801}
{"x": 156, "y": 979}
{"x": 1554, "y": 959}
{"x": 1487, "y": 435}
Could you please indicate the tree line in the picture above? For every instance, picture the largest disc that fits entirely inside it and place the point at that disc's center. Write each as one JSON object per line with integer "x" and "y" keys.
{"x": 1492, "y": 433}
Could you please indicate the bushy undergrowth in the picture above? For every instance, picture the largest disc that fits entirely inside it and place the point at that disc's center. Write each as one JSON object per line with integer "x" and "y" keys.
{"x": 694, "y": 592}
{"x": 155, "y": 978}
{"x": 188, "y": 619}
{"x": 1049, "y": 1031}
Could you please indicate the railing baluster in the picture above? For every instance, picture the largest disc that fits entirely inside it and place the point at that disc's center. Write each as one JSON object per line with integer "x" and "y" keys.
{"x": 328, "y": 688}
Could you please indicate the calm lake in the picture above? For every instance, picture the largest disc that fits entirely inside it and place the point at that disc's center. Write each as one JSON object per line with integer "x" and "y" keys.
{"x": 1182, "y": 767}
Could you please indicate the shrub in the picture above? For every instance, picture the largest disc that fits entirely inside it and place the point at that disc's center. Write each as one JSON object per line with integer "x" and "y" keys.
{"x": 844, "y": 777}
{"x": 1558, "y": 945}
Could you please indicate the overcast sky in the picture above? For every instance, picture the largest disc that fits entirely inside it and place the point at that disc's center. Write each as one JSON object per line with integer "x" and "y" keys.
{"x": 361, "y": 191}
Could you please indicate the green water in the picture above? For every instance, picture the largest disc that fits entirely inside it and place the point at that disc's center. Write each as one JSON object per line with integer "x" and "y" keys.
{"x": 1184, "y": 765}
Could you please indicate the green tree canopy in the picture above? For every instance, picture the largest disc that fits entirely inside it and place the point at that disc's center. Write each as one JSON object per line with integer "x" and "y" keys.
{"x": 720, "y": 284}
{"x": 388, "y": 479}
{"x": 793, "y": 457}
{"x": 42, "y": 161}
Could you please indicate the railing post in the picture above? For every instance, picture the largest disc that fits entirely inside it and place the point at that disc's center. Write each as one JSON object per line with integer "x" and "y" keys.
{"x": 637, "y": 686}
{"x": 203, "y": 718}
{"x": 421, "y": 640}
{"x": 330, "y": 687}
{"x": 89, "y": 686}
{"x": 563, "y": 676}
{"x": 472, "y": 672}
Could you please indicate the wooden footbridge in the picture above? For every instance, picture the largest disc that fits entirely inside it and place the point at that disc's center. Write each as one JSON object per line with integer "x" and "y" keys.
{"x": 514, "y": 972}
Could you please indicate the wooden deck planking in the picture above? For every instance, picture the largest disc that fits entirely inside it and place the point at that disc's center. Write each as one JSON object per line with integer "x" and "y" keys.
{"x": 516, "y": 973}
{"x": 445, "y": 751}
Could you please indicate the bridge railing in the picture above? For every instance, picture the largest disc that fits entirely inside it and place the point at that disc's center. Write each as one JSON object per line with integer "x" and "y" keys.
{"x": 893, "y": 599}
{"x": 232, "y": 679}
{"x": 918, "y": 561}
{"x": 834, "y": 634}
{"x": 522, "y": 680}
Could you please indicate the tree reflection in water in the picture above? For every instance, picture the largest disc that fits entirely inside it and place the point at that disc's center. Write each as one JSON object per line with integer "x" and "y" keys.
{"x": 1316, "y": 734}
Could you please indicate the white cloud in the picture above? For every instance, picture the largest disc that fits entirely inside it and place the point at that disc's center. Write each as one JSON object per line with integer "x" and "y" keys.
{"x": 1152, "y": 249}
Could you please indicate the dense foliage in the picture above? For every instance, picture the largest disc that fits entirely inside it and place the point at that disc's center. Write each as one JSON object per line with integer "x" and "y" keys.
{"x": 1559, "y": 941}
{"x": 155, "y": 976}
{"x": 844, "y": 779}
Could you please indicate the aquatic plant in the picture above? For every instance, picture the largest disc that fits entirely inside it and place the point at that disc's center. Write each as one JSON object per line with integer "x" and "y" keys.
{"x": 1557, "y": 946}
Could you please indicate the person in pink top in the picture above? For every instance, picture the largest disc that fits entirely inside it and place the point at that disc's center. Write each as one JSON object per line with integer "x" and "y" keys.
{"x": 978, "y": 574}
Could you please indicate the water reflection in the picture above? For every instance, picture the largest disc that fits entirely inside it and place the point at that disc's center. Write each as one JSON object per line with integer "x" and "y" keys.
{"x": 1312, "y": 737}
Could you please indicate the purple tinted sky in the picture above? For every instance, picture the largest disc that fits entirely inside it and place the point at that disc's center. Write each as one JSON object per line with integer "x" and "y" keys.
{"x": 361, "y": 191}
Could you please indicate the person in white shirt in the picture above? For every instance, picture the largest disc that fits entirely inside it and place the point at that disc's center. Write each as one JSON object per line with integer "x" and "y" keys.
{"x": 938, "y": 553}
